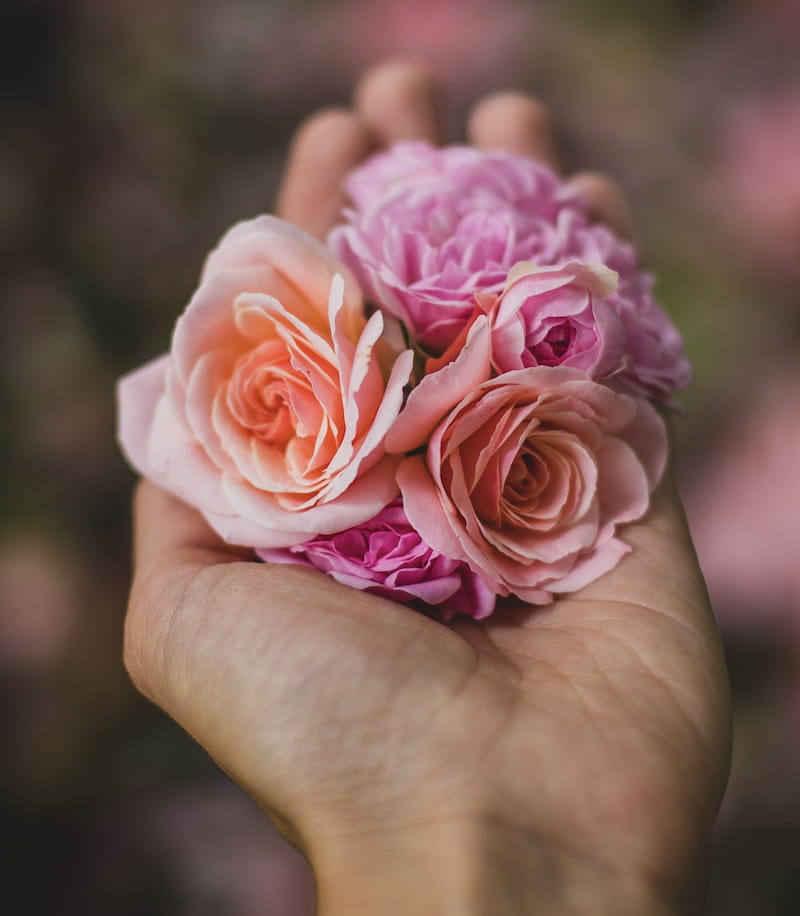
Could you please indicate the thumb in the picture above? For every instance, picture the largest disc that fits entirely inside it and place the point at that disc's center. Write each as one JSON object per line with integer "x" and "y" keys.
{"x": 169, "y": 534}
{"x": 171, "y": 544}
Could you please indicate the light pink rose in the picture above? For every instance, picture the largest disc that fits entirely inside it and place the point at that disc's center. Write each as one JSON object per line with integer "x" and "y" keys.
{"x": 557, "y": 316}
{"x": 386, "y": 556}
{"x": 544, "y": 316}
{"x": 528, "y": 477}
{"x": 431, "y": 227}
{"x": 270, "y": 410}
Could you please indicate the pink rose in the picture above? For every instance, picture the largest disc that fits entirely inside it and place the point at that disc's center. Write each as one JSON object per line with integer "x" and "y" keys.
{"x": 387, "y": 557}
{"x": 545, "y": 316}
{"x": 431, "y": 227}
{"x": 270, "y": 411}
{"x": 557, "y": 316}
{"x": 528, "y": 477}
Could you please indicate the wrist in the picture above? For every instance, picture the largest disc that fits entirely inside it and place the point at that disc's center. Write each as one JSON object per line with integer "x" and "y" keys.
{"x": 478, "y": 869}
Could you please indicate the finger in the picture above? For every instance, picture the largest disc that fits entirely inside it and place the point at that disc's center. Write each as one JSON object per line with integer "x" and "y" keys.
{"x": 604, "y": 201}
{"x": 168, "y": 533}
{"x": 324, "y": 150}
{"x": 401, "y": 100}
{"x": 516, "y": 123}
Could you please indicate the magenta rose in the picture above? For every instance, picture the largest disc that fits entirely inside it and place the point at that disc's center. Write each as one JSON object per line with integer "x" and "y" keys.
{"x": 270, "y": 411}
{"x": 387, "y": 557}
{"x": 431, "y": 227}
{"x": 529, "y": 476}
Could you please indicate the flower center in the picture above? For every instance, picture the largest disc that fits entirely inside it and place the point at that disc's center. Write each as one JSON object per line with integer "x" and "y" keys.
{"x": 527, "y": 477}
{"x": 258, "y": 397}
{"x": 557, "y": 343}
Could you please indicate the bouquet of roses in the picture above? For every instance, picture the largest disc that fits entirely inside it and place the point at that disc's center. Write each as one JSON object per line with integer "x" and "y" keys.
{"x": 451, "y": 401}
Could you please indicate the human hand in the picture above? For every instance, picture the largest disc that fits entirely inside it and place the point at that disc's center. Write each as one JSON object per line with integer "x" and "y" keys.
{"x": 558, "y": 759}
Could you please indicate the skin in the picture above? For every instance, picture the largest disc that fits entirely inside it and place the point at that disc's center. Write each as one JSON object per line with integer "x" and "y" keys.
{"x": 566, "y": 759}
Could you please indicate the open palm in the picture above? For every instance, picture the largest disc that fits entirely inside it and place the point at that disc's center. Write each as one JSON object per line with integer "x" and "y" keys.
{"x": 595, "y": 728}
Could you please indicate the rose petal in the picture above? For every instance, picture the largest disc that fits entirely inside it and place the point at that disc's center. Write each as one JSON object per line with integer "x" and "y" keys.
{"x": 437, "y": 392}
{"x": 138, "y": 392}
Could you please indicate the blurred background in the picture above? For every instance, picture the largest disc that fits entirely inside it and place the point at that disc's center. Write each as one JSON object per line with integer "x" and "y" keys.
{"x": 131, "y": 136}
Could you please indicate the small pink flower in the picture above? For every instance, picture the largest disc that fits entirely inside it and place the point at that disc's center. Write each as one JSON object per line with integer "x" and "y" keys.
{"x": 527, "y": 478}
{"x": 270, "y": 411}
{"x": 557, "y": 316}
{"x": 386, "y": 556}
{"x": 430, "y": 228}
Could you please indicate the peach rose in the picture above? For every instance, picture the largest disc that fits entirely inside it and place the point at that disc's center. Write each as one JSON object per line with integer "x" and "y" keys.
{"x": 270, "y": 411}
{"x": 527, "y": 478}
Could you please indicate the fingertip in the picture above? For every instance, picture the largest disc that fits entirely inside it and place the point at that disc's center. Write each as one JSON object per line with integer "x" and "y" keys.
{"x": 514, "y": 122}
{"x": 402, "y": 75}
{"x": 605, "y": 202}
{"x": 326, "y": 146}
{"x": 330, "y": 133}
{"x": 401, "y": 100}
{"x": 168, "y": 532}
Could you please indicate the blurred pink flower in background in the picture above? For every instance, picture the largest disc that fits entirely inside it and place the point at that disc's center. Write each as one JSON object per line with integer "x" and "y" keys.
{"x": 61, "y": 391}
{"x": 39, "y": 602}
{"x": 224, "y": 854}
{"x": 755, "y": 178}
{"x": 779, "y": 16}
{"x": 744, "y": 510}
{"x": 463, "y": 40}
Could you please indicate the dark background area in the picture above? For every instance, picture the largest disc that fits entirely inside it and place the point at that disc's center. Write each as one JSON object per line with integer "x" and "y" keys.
{"x": 131, "y": 136}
